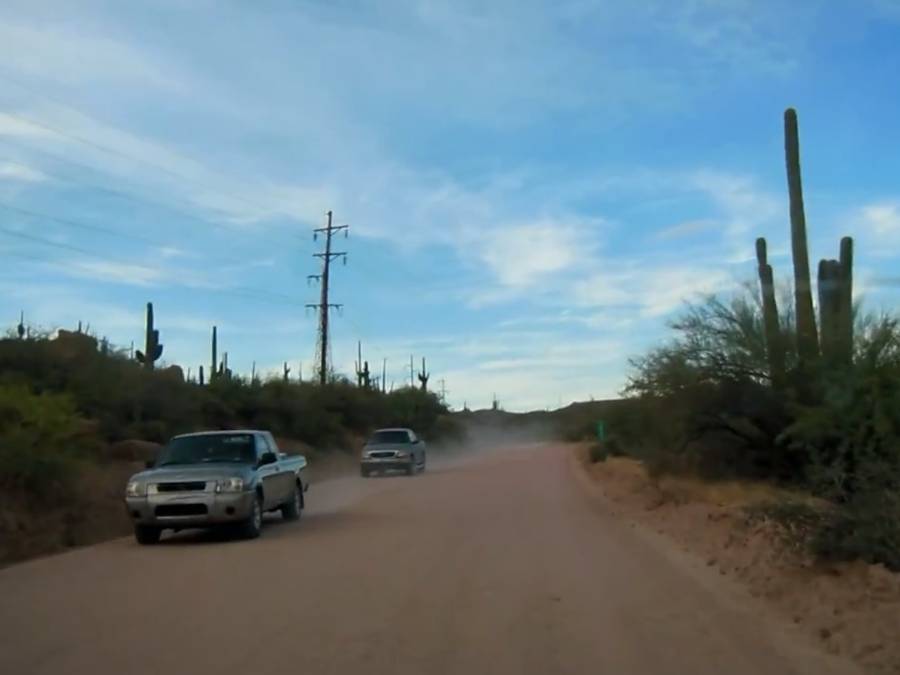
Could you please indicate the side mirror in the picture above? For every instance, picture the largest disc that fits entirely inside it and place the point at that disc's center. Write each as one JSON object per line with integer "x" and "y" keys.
{"x": 267, "y": 458}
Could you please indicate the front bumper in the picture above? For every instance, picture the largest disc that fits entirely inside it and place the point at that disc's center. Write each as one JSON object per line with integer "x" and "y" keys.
{"x": 181, "y": 510}
{"x": 388, "y": 463}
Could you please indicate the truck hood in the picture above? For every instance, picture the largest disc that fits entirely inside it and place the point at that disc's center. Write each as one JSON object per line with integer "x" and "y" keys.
{"x": 194, "y": 472}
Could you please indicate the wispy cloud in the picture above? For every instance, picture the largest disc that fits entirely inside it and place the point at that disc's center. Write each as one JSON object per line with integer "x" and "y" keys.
{"x": 682, "y": 230}
{"x": 880, "y": 224}
{"x": 522, "y": 255}
{"x": 14, "y": 171}
{"x": 655, "y": 290}
{"x": 74, "y": 56}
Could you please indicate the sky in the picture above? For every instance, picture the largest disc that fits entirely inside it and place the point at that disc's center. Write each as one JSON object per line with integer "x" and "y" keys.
{"x": 534, "y": 188}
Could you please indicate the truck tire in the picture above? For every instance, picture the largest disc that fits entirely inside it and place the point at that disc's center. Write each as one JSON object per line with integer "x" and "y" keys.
{"x": 364, "y": 472}
{"x": 251, "y": 528}
{"x": 147, "y": 534}
{"x": 291, "y": 510}
{"x": 411, "y": 469}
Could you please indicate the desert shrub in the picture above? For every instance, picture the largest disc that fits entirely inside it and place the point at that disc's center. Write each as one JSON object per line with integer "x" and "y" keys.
{"x": 868, "y": 528}
{"x": 613, "y": 447}
{"x": 702, "y": 404}
{"x": 42, "y": 442}
{"x": 597, "y": 452}
{"x": 128, "y": 401}
{"x": 852, "y": 436}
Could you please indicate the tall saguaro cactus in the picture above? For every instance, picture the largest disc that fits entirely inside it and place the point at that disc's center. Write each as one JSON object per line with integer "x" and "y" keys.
{"x": 423, "y": 376}
{"x": 845, "y": 314}
{"x": 829, "y": 287}
{"x": 214, "y": 364}
{"x": 20, "y": 328}
{"x": 286, "y": 372}
{"x": 774, "y": 340}
{"x": 836, "y": 306}
{"x": 152, "y": 347}
{"x": 807, "y": 336}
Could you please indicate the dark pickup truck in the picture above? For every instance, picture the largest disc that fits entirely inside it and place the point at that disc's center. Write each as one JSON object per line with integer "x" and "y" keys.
{"x": 215, "y": 478}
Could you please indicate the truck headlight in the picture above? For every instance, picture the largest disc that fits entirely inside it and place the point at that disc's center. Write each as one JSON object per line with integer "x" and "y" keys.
{"x": 230, "y": 485}
{"x": 136, "y": 488}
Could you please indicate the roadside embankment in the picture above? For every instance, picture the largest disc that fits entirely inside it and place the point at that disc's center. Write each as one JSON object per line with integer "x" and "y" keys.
{"x": 853, "y": 609}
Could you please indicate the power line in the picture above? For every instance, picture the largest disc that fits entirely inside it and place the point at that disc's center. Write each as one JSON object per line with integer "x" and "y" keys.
{"x": 105, "y": 230}
{"x": 124, "y": 155}
{"x": 71, "y": 223}
{"x": 112, "y": 191}
{"x": 323, "y": 306}
{"x": 245, "y": 290}
{"x": 110, "y": 150}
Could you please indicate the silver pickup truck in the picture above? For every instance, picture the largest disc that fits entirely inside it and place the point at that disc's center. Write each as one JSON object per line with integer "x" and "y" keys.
{"x": 391, "y": 450}
{"x": 215, "y": 478}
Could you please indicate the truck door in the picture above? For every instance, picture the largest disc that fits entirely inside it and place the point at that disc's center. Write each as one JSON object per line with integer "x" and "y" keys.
{"x": 269, "y": 475}
{"x": 285, "y": 473}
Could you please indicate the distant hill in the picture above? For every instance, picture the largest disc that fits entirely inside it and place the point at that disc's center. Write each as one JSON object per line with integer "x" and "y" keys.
{"x": 576, "y": 421}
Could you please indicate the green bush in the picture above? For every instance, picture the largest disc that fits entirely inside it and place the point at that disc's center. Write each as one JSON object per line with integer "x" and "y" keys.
{"x": 703, "y": 405}
{"x": 128, "y": 401}
{"x": 42, "y": 442}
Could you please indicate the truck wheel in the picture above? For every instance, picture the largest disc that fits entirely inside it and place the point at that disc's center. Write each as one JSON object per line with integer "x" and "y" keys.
{"x": 146, "y": 534}
{"x": 251, "y": 527}
{"x": 291, "y": 510}
{"x": 411, "y": 469}
{"x": 364, "y": 472}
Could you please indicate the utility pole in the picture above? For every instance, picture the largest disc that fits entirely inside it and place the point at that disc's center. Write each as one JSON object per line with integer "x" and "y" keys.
{"x": 323, "y": 306}
{"x": 412, "y": 373}
{"x": 443, "y": 392}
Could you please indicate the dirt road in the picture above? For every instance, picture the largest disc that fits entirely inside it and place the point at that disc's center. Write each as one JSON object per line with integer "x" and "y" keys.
{"x": 507, "y": 564}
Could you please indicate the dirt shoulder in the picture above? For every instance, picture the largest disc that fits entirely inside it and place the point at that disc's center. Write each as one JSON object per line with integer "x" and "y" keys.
{"x": 853, "y": 610}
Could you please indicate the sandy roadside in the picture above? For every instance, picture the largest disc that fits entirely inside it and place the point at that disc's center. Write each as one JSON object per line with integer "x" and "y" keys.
{"x": 852, "y": 610}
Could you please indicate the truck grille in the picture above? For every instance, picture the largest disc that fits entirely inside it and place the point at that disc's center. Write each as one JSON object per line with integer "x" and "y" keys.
{"x": 181, "y": 510}
{"x": 383, "y": 454}
{"x": 190, "y": 486}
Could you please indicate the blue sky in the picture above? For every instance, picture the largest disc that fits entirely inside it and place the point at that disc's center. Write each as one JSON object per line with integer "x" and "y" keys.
{"x": 533, "y": 188}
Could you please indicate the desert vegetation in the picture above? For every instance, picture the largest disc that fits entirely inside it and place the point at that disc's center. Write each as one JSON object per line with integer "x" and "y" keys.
{"x": 768, "y": 384}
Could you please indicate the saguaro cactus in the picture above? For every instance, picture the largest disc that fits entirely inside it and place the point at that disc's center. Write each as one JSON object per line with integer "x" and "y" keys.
{"x": 807, "y": 336}
{"x": 153, "y": 349}
{"x": 845, "y": 314}
{"x": 829, "y": 308}
{"x": 200, "y": 376}
{"x": 836, "y": 305}
{"x": 215, "y": 361}
{"x": 224, "y": 370}
{"x": 423, "y": 376}
{"x": 774, "y": 340}
{"x": 20, "y": 329}
{"x": 286, "y": 372}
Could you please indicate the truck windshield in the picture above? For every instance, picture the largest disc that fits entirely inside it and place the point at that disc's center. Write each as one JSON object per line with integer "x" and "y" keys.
{"x": 380, "y": 437}
{"x": 211, "y": 448}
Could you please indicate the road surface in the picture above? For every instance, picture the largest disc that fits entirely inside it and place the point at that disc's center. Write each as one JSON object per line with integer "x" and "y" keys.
{"x": 504, "y": 565}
